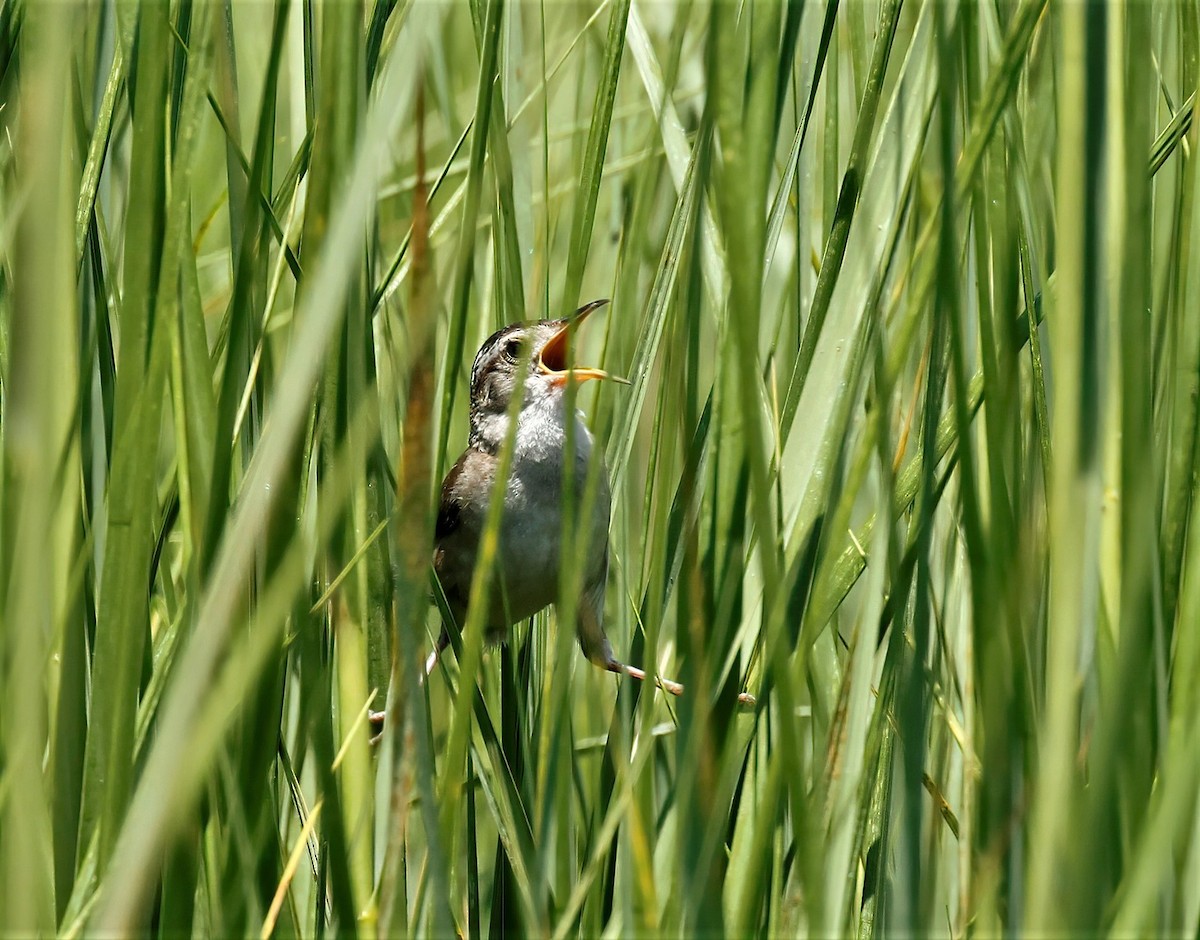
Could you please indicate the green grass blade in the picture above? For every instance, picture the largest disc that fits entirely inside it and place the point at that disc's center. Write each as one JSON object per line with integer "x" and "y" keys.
{"x": 122, "y": 621}
{"x": 39, "y": 486}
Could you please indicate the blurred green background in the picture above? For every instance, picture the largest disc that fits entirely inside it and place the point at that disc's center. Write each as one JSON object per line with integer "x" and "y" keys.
{"x": 908, "y": 293}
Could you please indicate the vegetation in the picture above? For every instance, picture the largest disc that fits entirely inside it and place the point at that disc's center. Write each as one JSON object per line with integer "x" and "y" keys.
{"x": 909, "y": 453}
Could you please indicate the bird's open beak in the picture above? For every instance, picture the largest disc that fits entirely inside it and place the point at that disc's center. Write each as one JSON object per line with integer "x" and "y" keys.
{"x": 552, "y": 360}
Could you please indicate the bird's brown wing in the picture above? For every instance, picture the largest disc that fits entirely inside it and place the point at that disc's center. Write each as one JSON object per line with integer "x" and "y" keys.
{"x": 450, "y": 528}
{"x": 460, "y": 516}
{"x": 450, "y": 507}
{"x": 465, "y": 492}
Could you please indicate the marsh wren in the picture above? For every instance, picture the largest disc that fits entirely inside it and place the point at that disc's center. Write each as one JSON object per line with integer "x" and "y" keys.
{"x": 531, "y": 550}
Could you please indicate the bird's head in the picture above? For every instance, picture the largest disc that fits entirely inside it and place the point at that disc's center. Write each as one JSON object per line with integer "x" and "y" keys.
{"x": 545, "y": 344}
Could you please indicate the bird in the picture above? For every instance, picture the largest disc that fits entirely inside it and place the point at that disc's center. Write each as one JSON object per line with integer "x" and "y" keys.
{"x": 529, "y": 358}
{"x": 525, "y": 580}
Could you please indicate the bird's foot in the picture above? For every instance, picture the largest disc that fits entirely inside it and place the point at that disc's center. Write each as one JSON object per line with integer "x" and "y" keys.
{"x": 745, "y": 699}
{"x": 620, "y": 668}
{"x": 376, "y": 719}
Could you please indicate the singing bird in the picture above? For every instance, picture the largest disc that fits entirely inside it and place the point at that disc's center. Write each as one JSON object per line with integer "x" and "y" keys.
{"x": 526, "y": 574}
{"x": 525, "y": 579}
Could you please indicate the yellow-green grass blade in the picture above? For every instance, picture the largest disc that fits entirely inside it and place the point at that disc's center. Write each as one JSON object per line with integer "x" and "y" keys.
{"x": 153, "y": 817}
{"x": 464, "y": 266}
{"x": 1076, "y": 478}
{"x": 593, "y": 154}
{"x": 39, "y": 485}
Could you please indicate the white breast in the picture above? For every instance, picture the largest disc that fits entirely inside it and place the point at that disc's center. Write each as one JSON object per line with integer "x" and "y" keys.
{"x": 531, "y": 533}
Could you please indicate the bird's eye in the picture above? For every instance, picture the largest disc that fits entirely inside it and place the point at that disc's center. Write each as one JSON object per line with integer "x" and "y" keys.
{"x": 512, "y": 348}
